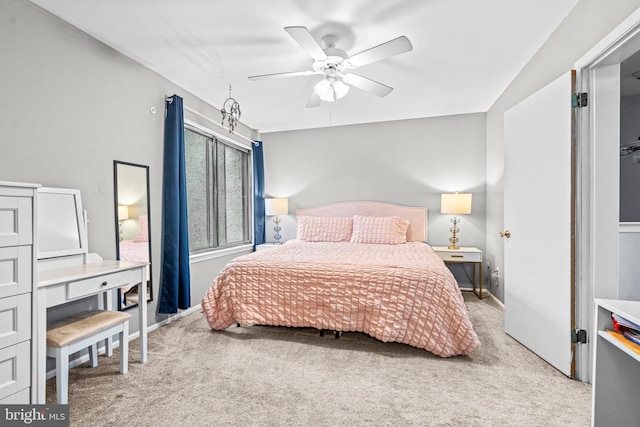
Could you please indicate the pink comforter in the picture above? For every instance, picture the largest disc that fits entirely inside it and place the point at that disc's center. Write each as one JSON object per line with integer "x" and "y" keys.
{"x": 402, "y": 293}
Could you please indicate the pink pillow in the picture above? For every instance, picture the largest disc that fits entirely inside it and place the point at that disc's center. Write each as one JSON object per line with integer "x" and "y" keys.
{"x": 382, "y": 230}
{"x": 143, "y": 229}
{"x": 318, "y": 229}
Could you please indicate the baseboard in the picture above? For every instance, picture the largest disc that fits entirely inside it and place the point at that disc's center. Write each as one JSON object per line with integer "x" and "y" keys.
{"x": 169, "y": 319}
{"x": 496, "y": 300}
{"x": 101, "y": 350}
{"x": 486, "y": 292}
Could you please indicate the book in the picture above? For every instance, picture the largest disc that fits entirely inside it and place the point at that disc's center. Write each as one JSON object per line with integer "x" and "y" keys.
{"x": 620, "y": 324}
{"x": 631, "y": 335}
{"x": 624, "y": 341}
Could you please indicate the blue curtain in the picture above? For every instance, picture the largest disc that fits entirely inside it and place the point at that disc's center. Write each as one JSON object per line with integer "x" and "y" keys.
{"x": 175, "y": 291}
{"x": 258, "y": 194}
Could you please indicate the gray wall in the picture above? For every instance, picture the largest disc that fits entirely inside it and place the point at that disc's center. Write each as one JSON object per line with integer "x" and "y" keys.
{"x": 72, "y": 105}
{"x": 629, "y": 169}
{"x": 409, "y": 162}
{"x": 629, "y": 242}
{"x": 583, "y": 28}
{"x": 629, "y": 245}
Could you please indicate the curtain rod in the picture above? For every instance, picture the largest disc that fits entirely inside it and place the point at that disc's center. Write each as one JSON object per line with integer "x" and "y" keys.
{"x": 197, "y": 113}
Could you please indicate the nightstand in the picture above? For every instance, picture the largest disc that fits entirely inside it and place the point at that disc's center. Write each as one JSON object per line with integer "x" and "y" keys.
{"x": 464, "y": 255}
{"x": 266, "y": 246}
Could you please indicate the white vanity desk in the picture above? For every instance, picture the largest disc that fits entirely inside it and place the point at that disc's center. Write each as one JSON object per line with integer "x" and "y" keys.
{"x": 64, "y": 284}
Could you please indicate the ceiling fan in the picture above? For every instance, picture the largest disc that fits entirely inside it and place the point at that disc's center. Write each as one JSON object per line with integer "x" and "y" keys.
{"x": 335, "y": 65}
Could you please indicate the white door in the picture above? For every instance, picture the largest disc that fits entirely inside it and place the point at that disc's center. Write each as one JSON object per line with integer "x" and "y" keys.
{"x": 538, "y": 215}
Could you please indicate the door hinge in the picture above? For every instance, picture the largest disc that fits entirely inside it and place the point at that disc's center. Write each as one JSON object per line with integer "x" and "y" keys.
{"x": 579, "y": 100}
{"x": 579, "y": 336}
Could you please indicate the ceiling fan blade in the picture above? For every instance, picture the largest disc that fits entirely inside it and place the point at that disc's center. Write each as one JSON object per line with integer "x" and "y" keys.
{"x": 314, "y": 100}
{"x": 280, "y": 75}
{"x": 369, "y": 85}
{"x": 382, "y": 51}
{"x": 305, "y": 39}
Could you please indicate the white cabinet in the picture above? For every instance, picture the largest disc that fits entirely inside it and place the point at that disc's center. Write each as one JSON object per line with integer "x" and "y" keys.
{"x": 15, "y": 369}
{"x": 616, "y": 368}
{"x": 17, "y": 255}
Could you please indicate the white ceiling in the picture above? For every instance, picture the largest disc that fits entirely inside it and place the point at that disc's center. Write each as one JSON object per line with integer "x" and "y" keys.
{"x": 465, "y": 52}
{"x": 630, "y": 84}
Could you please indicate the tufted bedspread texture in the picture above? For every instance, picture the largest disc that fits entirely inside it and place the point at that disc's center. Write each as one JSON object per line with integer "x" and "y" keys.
{"x": 400, "y": 293}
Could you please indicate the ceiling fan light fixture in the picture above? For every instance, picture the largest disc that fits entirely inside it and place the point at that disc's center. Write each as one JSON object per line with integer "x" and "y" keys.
{"x": 335, "y": 64}
{"x": 331, "y": 90}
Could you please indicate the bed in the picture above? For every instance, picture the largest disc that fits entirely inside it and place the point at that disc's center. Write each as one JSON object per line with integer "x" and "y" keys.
{"x": 359, "y": 267}
{"x": 135, "y": 250}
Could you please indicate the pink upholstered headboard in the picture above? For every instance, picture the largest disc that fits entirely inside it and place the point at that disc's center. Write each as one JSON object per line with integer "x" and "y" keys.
{"x": 417, "y": 216}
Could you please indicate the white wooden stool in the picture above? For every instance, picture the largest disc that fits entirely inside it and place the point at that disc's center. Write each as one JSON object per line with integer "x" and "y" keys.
{"x": 80, "y": 331}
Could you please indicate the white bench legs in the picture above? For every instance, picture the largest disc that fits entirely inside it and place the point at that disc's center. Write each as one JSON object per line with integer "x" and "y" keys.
{"x": 85, "y": 330}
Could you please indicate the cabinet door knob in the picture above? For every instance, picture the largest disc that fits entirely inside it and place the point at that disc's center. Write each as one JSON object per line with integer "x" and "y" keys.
{"x": 505, "y": 233}
{"x": 103, "y": 284}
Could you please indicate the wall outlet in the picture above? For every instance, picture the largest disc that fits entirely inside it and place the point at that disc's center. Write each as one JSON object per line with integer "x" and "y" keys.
{"x": 495, "y": 277}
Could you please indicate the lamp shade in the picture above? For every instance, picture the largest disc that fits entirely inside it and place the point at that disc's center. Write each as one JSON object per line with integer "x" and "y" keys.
{"x": 455, "y": 203}
{"x": 123, "y": 212}
{"x": 276, "y": 206}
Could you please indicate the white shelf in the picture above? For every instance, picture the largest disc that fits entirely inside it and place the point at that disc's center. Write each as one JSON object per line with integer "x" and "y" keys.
{"x": 615, "y": 342}
{"x": 616, "y": 372}
{"x": 630, "y": 310}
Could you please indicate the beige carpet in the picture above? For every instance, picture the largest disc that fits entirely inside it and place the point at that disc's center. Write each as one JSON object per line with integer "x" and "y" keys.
{"x": 293, "y": 377}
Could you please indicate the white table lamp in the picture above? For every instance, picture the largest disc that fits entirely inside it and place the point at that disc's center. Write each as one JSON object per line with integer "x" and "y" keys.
{"x": 456, "y": 204}
{"x": 123, "y": 214}
{"x": 275, "y": 207}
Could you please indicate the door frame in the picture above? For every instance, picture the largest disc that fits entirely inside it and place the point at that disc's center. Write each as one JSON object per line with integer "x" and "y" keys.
{"x": 596, "y": 227}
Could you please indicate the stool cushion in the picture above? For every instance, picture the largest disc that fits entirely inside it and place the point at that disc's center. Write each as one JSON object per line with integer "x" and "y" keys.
{"x": 73, "y": 328}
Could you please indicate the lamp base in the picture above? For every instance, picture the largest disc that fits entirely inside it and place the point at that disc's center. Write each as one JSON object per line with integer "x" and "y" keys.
{"x": 454, "y": 231}
{"x": 277, "y": 229}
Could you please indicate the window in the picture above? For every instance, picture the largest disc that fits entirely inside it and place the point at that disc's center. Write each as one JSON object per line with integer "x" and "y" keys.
{"x": 217, "y": 191}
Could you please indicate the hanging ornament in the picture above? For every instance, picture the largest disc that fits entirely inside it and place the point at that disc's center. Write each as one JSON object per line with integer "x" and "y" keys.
{"x": 231, "y": 112}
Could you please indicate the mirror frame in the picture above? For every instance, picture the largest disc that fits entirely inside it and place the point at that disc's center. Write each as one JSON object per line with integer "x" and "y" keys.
{"x": 121, "y": 291}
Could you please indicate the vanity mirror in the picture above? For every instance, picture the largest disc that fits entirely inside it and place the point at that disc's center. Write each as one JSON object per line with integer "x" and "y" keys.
{"x": 133, "y": 225}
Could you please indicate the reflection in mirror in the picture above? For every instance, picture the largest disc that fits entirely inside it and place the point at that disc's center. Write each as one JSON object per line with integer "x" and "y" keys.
{"x": 133, "y": 243}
